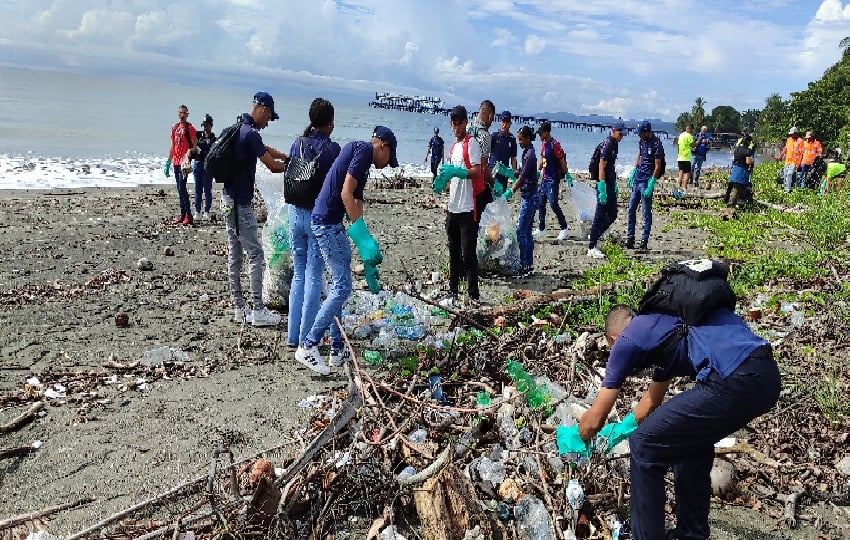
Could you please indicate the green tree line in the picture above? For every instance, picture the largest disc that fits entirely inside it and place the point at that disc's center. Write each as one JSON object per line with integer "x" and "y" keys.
{"x": 823, "y": 107}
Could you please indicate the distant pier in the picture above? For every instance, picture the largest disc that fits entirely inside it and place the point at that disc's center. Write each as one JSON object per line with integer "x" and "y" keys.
{"x": 432, "y": 105}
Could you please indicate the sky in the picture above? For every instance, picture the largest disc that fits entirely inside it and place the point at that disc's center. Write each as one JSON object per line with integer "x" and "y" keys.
{"x": 634, "y": 59}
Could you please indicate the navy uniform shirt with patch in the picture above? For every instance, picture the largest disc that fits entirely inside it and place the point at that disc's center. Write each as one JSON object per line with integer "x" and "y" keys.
{"x": 720, "y": 343}
{"x": 249, "y": 147}
{"x": 355, "y": 158}
{"x": 528, "y": 172}
{"x": 608, "y": 152}
{"x": 649, "y": 150}
{"x": 436, "y": 144}
{"x": 502, "y": 148}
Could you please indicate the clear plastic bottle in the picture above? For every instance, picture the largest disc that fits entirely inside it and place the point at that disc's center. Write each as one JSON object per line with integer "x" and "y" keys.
{"x": 533, "y": 521}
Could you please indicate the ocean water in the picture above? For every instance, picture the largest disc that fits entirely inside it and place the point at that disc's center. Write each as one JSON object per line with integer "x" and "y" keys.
{"x": 78, "y": 130}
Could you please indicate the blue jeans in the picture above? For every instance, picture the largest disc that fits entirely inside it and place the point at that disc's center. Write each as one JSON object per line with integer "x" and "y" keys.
{"x": 549, "y": 189}
{"x": 605, "y": 215}
{"x": 788, "y": 173}
{"x": 336, "y": 251}
{"x": 525, "y": 222}
{"x": 681, "y": 434}
{"x": 182, "y": 191}
{"x": 203, "y": 187}
{"x": 637, "y": 197}
{"x": 242, "y": 235}
{"x": 696, "y": 168}
{"x": 308, "y": 272}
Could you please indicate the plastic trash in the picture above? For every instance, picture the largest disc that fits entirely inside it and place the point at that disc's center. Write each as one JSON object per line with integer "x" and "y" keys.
{"x": 275, "y": 239}
{"x": 435, "y": 385}
{"x": 583, "y": 199}
{"x": 575, "y": 494}
{"x": 418, "y": 436}
{"x": 406, "y": 473}
{"x": 391, "y": 533}
{"x": 533, "y": 521}
{"x": 497, "y": 247}
{"x": 483, "y": 399}
{"x": 615, "y": 526}
{"x": 156, "y": 357}
{"x": 491, "y": 471}
{"x": 535, "y": 395}
{"x": 372, "y": 357}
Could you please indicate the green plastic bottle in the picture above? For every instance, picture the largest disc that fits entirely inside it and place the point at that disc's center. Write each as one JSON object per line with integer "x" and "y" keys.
{"x": 373, "y": 357}
{"x": 535, "y": 395}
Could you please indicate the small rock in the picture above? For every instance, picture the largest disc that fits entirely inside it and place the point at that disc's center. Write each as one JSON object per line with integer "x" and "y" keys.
{"x": 204, "y": 298}
{"x": 843, "y": 466}
{"x": 168, "y": 251}
{"x": 145, "y": 264}
{"x": 359, "y": 269}
{"x": 122, "y": 320}
{"x": 722, "y": 478}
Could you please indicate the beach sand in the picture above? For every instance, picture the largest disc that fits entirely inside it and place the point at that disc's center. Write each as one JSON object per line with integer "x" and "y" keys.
{"x": 68, "y": 265}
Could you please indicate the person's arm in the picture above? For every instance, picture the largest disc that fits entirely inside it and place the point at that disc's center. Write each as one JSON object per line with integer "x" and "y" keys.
{"x": 595, "y": 417}
{"x": 275, "y": 153}
{"x": 563, "y": 163}
{"x": 271, "y": 163}
{"x": 513, "y": 163}
{"x": 651, "y": 399}
{"x": 603, "y": 163}
{"x": 657, "y": 172}
{"x": 354, "y": 207}
{"x": 427, "y": 151}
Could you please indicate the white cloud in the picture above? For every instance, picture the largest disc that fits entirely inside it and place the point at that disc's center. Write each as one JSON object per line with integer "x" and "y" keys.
{"x": 454, "y": 66}
{"x": 534, "y": 45}
{"x": 503, "y": 38}
{"x": 823, "y": 33}
{"x": 410, "y": 49}
{"x": 832, "y": 10}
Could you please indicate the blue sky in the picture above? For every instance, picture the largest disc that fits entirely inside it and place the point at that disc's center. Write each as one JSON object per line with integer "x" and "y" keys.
{"x": 626, "y": 58}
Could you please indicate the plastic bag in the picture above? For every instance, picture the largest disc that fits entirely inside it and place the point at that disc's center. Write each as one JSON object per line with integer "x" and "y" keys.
{"x": 498, "y": 250}
{"x": 583, "y": 199}
{"x": 277, "y": 276}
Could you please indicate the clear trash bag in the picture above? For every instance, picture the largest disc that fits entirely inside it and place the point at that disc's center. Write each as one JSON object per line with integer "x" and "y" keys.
{"x": 277, "y": 276}
{"x": 583, "y": 199}
{"x": 497, "y": 247}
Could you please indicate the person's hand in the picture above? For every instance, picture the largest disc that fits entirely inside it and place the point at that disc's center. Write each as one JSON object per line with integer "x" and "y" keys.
{"x": 601, "y": 192}
{"x": 446, "y": 173}
{"x": 618, "y": 431}
{"x": 508, "y": 194}
{"x": 570, "y": 442}
{"x": 503, "y": 170}
{"x": 366, "y": 245}
{"x": 167, "y": 168}
{"x": 650, "y": 186}
{"x": 498, "y": 189}
{"x": 569, "y": 178}
{"x": 632, "y": 177}
{"x": 372, "y": 277}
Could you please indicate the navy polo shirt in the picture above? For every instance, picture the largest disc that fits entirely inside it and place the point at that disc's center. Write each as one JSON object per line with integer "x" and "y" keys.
{"x": 528, "y": 172}
{"x": 249, "y": 147}
{"x": 436, "y": 144}
{"x": 649, "y": 150}
{"x": 720, "y": 343}
{"x": 502, "y": 148}
{"x": 608, "y": 151}
{"x": 355, "y": 159}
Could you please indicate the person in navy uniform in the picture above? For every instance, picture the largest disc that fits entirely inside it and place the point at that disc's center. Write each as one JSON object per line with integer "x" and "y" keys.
{"x": 648, "y": 167}
{"x": 436, "y": 148}
{"x": 737, "y": 380}
{"x": 503, "y": 148}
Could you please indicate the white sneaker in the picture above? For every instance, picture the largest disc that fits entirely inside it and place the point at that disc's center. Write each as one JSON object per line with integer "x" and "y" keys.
{"x": 563, "y": 235}
{"x": 537, "y": 232}
{"x": 205, "y": 216}
{"x": 242, "y": 315}
{"x": 312, "y": 359}
{"x": 595, "y": 253}
{"x": 264, "y": 317}
{"x": 339, "y": 358}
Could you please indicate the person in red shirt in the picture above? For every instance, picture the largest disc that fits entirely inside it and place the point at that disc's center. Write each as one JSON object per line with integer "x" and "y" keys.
{"x": 184, "y": 141}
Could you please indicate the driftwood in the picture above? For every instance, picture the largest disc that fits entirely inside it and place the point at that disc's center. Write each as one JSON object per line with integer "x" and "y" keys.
{"x": 789, "y": 515}
{"x": 6, "y": 453}
{"x": 14, "y": 521}
{"x": 447, "y": 506}
{"x": 20, "y": 421}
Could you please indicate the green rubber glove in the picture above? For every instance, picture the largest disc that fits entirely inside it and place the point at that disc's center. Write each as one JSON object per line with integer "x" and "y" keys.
{"x": 504, "y": 170}
{"x": 601, "y": 192}
{"x": 366, "y": 245}
{"x": 445, "y": 174}
{"x": 632, "y": 177}
{"x": 650, "y": 186}
{"x": 167, "y": 168}
{"x": 569, "y": 178}
{"x": 618, "y": 431}
{"x": 498, "y": 189}
{"x": 616, "y": 190}
{"x": 570, "y": 442}
{"x": 508, "y": 194}
{"x": 372, "y": 276}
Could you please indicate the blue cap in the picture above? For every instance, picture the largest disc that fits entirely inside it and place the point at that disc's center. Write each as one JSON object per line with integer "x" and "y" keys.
{"x": 387, "y": 135}
{"x": 506, "y": 115}
{"x": 266, "y": 100}
{"x": 644, "y": 126}
{"x": 436, "y": 130}
{"x": 619, "y": 125}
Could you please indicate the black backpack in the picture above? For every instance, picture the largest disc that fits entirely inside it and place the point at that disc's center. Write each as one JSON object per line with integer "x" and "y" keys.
{"x": 593, "y": 167}
{"x": 302, "y": 181}
{"x": 690, "y": 290}
{"x": 221, "y": 162}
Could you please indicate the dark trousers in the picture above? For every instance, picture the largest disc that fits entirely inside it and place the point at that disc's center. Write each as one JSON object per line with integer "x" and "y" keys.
{"x": 681, "y": 434}
{"x": 604, "y": 217}
{"x": 463, "y": 233}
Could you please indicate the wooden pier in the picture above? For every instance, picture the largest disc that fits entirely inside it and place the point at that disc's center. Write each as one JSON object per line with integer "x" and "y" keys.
{"x": 432, "y": 105}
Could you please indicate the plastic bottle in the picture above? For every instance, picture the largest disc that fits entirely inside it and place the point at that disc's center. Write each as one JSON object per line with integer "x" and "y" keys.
{"x": 372, "y": 357}
{"x": 533, "y": 521}
{"x": 491, "y": 471}
{"x": 407, "y": 472}
{"x": 483, "y": 399}
{"x": 418, "y": 436}
{"x": 435, "y": 385}
{"x": 575, "y": 494}
{"x": 525, "y": 385}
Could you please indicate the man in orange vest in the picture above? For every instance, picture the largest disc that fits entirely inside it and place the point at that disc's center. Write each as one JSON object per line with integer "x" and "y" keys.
{"x": 811, "y": 149}
{"x": 793, "y": 156}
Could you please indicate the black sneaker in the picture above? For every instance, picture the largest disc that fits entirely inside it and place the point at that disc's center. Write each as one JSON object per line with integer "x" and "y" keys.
{"x": 630, "y": 242}
{"x": 643, "y": 246}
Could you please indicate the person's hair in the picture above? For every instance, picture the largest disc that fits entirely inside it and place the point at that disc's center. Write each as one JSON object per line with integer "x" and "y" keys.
{"x": 527, "y": 132}
{"x": 618, "y": 318}
{"x": 689, "y": 126}
{"x": 183, "y": 107}
{"x": 321, "y": 115}
{"x": 487, "y": 104}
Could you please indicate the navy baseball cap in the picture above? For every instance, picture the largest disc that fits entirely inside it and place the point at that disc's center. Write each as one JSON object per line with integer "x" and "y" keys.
{"x": 387, "y": 135}
{"x": 506, "y": 115}
{"x": 266, "y": 100}
{"x": 619, "y": 125}
{"x": 644, "y": 126}
{"x": 436, "y": 130}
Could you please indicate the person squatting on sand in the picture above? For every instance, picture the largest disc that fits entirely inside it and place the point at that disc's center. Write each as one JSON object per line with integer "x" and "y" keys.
{"x": 184, "y": 140}
{"x": 553, "y": 164}
{"x": 642, "y": 182}
{"x": 203, "y": 181}
{"x": 241, "y": 222}
{"x": 526, "y": 183}
{"x": 606, "y": 188}
{"x": 341, "y": 194}
{"x": 308, "y": 267}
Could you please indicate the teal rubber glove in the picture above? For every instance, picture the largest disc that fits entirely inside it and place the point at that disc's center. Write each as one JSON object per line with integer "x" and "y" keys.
{"x": 167, "y": 168}
{"x": 619, "y": 431}
{"x": 504, "y": 170}
{"x": 570, "y": 442}
{"x": 616, "y": 190}
{"x": 366, "y": 245}
{"x": 508, "y": 194}
{"x": 498, "y": 189}
{"x": 569, "y": 178}
{"x": 601, "y": 192}
{"x": 445, "y": 174}
{"x": 632, "y": 177}
{"x": 372, "y": 277}
{"x": 650, "y": 186}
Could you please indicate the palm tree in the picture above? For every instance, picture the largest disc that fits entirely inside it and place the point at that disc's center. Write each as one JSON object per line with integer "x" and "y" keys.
{"x": 698, "y": 111}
